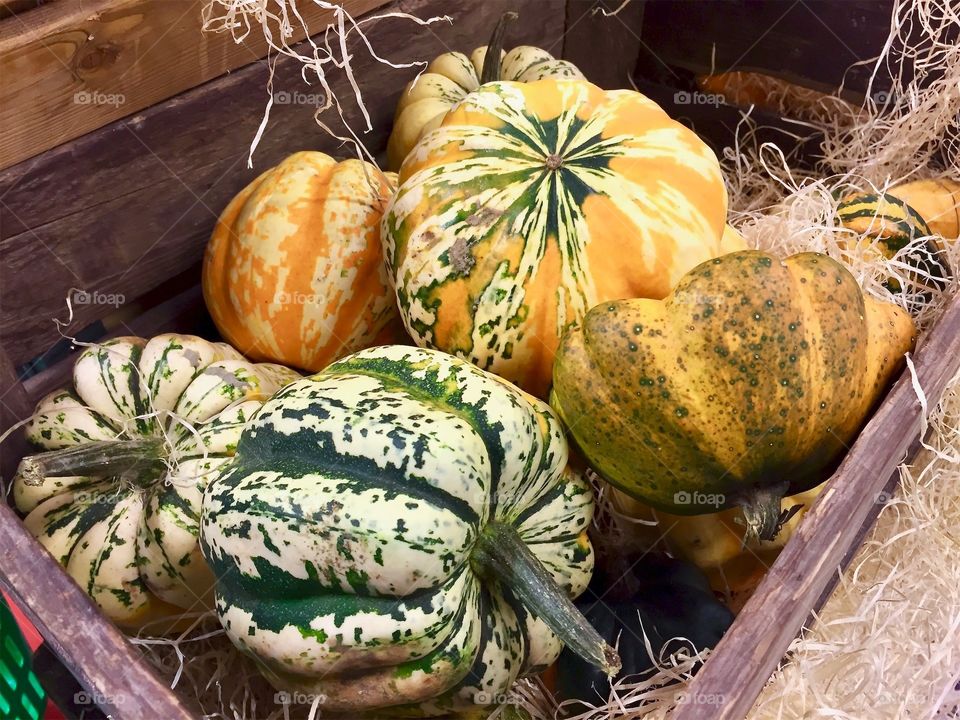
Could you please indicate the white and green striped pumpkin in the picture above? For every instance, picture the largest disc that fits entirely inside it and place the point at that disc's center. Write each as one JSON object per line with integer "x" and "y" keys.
{"x": 532, "y": 203}
{"x": 133, "y": 444}
{"x": 381, "y": 531}
{"x": 451, "y": 76}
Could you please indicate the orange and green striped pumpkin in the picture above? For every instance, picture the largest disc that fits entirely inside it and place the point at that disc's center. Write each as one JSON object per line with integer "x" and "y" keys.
{"x": 294, "y": 270}
{"x": 533, "y": 202}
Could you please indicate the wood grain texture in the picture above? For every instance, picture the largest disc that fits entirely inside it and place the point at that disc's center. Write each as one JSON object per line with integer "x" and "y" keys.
{"x": 70, "y": 68}
{"x": 15, "y": 404}
{"x": 146, "y": 191}
{"x": 99, "y": 655}
{"x": 732, "y": 678}
{"x": 812, "y": 43}
{"x": 182, "y": 313}
{"x": 604, "y": 46}
{"x": 15, "y": 7}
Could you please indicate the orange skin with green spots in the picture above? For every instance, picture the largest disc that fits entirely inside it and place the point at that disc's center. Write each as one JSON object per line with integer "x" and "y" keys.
{"x": 752, "y": 372}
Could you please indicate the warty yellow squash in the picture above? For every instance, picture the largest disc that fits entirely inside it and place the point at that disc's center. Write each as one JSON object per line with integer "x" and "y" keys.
{"x": 746, "y": 384}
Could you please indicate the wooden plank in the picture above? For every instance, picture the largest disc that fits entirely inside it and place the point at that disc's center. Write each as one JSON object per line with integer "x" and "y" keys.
{"x": 730, "y": 681}
{"x": 717, "y": 123}
{"x": 888, "y": 491}
{"x": 812, "y": 43}
{"x": 97, "y": 653}
{"x": 15, "y": 405}
{"x": 604, "y": 47}
{"x": 14, "y": 7}
{"x": 147, "y": 190}
{"x": 183, "y": 313}
{"x": 70, "y": 68}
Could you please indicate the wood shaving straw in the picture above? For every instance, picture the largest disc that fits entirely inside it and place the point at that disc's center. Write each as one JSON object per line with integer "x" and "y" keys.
{"x": 279, "y": 20}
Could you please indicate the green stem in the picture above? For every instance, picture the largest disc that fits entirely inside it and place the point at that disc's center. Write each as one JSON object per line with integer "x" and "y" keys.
{"x": 761, "y": 510}
{"x": 501, "y": 556}
{"x": 98, "y": 459}
{"x": 490, "y": 72}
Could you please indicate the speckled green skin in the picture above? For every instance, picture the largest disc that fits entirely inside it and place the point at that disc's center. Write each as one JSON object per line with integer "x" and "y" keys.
{"x": 342, "y": 533}
{"x": 751, "y": 373}
{"x": 129, "y": 538}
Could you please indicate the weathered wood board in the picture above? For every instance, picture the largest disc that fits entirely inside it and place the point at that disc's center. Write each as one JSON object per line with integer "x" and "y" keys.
{"x": 72, "y": 67}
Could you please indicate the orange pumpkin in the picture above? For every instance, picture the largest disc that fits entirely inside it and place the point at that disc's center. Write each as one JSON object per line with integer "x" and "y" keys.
{"x": 533, "y": 202}
{"x": 294, "y": 272}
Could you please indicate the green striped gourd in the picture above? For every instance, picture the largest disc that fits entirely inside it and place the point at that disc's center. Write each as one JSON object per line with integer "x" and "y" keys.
{"x": 132, "y": 445}
{"x": 889, "y": 224}
{"x": 401, "y": 530}
{"x": 450, "y": 77}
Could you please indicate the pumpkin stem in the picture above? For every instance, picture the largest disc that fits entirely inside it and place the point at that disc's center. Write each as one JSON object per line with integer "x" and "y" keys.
{"x": 98, "y": 459}
{"x": 490, "y": 72}
{"x": 499, "y": 555}
{"x": 761, "y": 510}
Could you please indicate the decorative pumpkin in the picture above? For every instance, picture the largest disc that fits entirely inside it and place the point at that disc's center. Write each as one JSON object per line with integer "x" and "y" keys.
{"x": 937, "y": 201}
{"x": 745, "y": 385}
{"x": 294, "y": 270}
{"x": 717, "y": 543}
{"x": 134, "y": 443}
{"x": 451, "y": 76}
{"x": 654, "y": 599}
{"x": 889, "y": 225}
{"x": 533, "y": 202}
{"x": 400, "y": 530}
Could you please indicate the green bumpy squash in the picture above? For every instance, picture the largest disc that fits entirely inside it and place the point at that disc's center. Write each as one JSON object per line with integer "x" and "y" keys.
{"x": 745, "y": 384}
{"x": 401, "y": 530}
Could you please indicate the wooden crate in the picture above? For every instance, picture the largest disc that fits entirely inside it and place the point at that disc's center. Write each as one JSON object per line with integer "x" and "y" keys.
{"x": 119, "y": 199}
